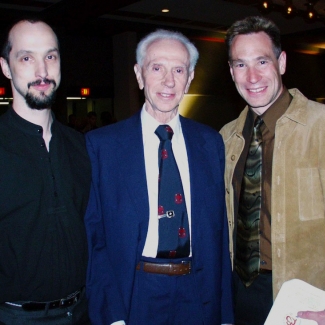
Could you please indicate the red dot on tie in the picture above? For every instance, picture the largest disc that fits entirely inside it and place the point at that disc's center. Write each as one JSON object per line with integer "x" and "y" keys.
{"x": 178, "y": 198}
{"x": 164, "y": 154}
{"x": 172, "y": 253}
{"x": 181, "y": 232}
{"x": 169, "y": 129}
{"x": 161, "y": 210}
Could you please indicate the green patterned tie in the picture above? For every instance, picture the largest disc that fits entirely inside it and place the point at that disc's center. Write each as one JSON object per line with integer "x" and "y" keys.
{"x": 248, "y": 225}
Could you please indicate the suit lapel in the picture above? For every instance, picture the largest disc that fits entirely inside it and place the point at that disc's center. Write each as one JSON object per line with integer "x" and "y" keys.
{"x": 199, "y": 179}
{"x": 132, "y": 165}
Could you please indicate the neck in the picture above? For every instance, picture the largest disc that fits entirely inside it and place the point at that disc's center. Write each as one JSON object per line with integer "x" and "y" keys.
{"x": 162, "y": 117}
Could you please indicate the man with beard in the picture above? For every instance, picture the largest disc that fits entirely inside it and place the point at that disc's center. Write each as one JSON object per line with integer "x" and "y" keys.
{"x": 45, "y": 178}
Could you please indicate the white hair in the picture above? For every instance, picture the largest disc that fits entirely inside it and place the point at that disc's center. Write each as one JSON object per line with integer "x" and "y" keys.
{"x": 162, "y": 34}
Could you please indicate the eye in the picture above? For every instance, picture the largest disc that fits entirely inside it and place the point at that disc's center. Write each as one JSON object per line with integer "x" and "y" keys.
{"x": 239, "y": 65}
{"x": 52, "y": 56}
{"x": 26, "y": 58}
{"x": 179, "y": 70}
{"x": 156, "y": 68}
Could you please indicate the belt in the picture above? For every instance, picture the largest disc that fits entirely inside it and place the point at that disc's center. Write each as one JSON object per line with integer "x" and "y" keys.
{"x": 264, "y": 271}
{"x": 182, "y": 268}
{"x": 60, "y": 303}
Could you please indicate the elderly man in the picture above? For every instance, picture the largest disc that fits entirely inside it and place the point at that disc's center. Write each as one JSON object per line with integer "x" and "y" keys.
{"x": 45, "y": 181}
{"x": 275, "y": 174}
{"x": 156, "y": 222}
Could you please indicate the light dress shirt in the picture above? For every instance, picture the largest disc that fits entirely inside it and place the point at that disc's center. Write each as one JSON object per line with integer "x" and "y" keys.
{"x": 151, "y": 144}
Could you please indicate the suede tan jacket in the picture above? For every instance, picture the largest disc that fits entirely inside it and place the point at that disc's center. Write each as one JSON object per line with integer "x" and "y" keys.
{"x": 298, "y": 190}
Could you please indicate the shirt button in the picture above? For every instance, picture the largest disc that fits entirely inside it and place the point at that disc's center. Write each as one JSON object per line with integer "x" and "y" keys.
{"x": 39, "y": 130}
{"x": 43, "y": 144}
{"x": 233, "y": 157}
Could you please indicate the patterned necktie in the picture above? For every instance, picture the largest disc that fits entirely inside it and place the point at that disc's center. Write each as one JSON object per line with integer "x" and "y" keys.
{"x": 248, "y": 232}
{"x": 174, "y": 236}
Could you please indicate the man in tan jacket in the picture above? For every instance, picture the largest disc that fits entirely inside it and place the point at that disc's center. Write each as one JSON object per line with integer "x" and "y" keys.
{"x": 275, "y": 200}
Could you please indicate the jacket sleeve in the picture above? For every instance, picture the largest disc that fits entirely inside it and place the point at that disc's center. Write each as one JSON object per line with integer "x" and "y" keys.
{"x": 104, "y": 297}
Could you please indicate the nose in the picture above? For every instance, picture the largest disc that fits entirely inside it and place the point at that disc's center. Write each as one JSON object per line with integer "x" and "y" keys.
{"x": 41, "y": 69}
{"x": 169, "y": 80}
{"x": 253, "y": 75}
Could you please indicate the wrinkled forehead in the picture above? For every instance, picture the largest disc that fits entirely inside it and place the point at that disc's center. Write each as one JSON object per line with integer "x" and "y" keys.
{"x": 252, "y": 44}
{"x": 168, "y": 49}
{"x": 30, "y": 36}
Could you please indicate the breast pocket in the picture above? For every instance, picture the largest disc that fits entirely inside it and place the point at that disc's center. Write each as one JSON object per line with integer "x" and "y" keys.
{"x": 310, "y": 192}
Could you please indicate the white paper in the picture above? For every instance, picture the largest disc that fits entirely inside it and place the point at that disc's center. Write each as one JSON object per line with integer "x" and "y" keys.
{"x": 295, "y": 295}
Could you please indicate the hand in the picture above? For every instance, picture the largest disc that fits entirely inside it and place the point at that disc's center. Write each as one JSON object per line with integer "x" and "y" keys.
{"x": 317, "y": 316}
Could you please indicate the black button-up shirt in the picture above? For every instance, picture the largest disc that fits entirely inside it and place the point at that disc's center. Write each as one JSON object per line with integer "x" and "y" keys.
{"x": 43, "y": 197}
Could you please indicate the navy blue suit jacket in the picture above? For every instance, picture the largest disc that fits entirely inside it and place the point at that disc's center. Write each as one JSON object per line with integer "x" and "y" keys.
{"x": 118, "y": 214}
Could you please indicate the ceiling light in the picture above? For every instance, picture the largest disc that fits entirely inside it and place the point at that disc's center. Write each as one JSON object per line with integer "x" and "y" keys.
{"x": 165, "y": 10}
{"x": 266, "y": 6}
{"x": 289, "y": 10}
{"x": 311, "y": 14}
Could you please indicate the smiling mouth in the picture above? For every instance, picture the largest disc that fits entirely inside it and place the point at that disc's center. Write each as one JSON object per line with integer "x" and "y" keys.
{"x": 257, "y": 90}
{"x": 165, "y": 95}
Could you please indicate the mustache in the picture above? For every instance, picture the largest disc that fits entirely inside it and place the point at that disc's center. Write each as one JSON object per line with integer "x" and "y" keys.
{"x": 39, "y": 81}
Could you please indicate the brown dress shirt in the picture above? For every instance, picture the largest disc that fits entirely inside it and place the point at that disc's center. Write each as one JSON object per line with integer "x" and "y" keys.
{"x": 270, "y": 117}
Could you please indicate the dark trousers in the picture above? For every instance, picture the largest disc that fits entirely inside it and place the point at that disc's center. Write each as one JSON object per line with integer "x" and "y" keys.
{"x": 165, "y": 300}
{"x": 253, "y": 304}
{"x": 77, "y": 314}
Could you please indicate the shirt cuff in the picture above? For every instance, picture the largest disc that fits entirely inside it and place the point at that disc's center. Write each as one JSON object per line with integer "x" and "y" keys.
{"x": 120, "y": 322}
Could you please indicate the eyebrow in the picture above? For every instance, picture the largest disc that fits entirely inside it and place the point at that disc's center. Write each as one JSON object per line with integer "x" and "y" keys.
{"x": 163, "y": 63}
{"x": 22, "y": 52}
{"x": 262, "y": 57}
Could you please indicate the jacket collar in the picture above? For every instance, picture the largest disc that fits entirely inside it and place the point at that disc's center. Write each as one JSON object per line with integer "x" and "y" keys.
{"x": 296, "y": 112}
{"x": 297, "y": 108}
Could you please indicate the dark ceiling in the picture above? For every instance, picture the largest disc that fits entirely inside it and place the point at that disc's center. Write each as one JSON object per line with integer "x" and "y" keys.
{"x": 87, "y": 20}
{"x": 111, "y": 17}
{"x": 89, "y": 27}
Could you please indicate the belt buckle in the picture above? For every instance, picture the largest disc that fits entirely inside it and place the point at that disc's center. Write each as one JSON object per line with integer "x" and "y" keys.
{"x": 189, "y": 266}
{"x": 70, "y": 300}
{"x": 62, "y": 302}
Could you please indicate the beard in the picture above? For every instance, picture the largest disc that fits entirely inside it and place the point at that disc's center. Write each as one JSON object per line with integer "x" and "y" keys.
{"x": 41, "y": 101}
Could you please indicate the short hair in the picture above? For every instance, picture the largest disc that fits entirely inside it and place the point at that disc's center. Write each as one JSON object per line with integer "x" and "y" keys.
{"x": 7, "y": 46}
{"x": 162, "y": 34}
{"x": 251, "y": 25}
